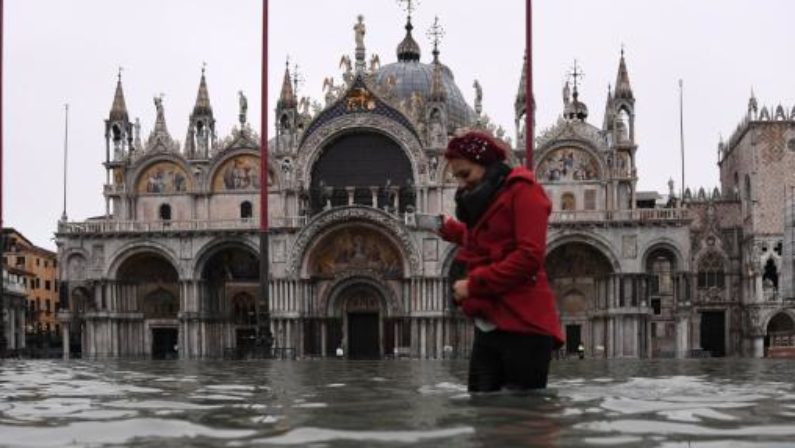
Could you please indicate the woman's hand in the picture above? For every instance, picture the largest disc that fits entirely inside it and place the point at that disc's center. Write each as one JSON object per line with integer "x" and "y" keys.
{"x": 460, "y": 290}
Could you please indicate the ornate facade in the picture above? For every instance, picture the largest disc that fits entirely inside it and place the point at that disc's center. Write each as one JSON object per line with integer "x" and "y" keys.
{"x": 172, "y": 269}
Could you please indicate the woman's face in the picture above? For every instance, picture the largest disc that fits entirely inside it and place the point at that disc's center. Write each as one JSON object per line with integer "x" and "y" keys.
{"x": 467, "y": 173}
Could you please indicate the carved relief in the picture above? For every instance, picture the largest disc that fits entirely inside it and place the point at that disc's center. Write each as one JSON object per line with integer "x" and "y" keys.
{"x": 629, "y": 246}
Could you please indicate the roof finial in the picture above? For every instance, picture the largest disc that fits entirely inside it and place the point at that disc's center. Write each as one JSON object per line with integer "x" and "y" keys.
{"x": 575, "y": 74}
{"x": 204, "y": 67}
{"x": 435, "y": 34}
{"x": 120, "y": 70}
{"x": 409, "y": 6}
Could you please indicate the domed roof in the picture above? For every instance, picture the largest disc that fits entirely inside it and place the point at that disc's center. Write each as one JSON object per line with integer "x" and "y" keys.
{"x": 414, "y": 76}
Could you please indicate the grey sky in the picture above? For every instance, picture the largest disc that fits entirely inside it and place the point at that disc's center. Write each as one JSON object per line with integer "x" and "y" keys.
{"x": 69, "y": 51}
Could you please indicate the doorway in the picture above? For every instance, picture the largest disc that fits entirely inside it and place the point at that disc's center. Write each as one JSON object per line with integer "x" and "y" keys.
{"x": 363, "y": 341}
{"x": 573, "y": 338}
{"x": 713, "y": 332}
{"x": 164, "y": 343}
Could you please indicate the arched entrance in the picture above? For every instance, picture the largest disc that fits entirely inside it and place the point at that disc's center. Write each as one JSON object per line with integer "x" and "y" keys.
{"x": 361, "y": 311}
{"x": 156, "y": 284}
{"x": 230, "y": 279}
{"x": 580, "y": 276}
{"x": 80, "y": 303}
{"x": 780, "y": 335}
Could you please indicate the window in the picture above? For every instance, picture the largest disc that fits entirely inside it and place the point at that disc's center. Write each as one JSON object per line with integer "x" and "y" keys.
{"x": 590, "y": 199}
{"x": 20, "y": 261}
{"x": 568, "y": 202}
{"x": 54, "y": 263}
{"x": 38, "y": 262}
{"x": 710, "y": 271}
{"x": 47, "y": 306}
{"x": 165, "y": 212}
{"x": 55, "y": 284}
{"x": 655, "y": 305}
{"x": 47, "y": 285}
{"x": 246, "y": 210}
{"x": 46, "y": 264}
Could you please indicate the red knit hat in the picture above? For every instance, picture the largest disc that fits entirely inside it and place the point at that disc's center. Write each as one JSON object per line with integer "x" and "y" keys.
{"x": 477, "y": 147}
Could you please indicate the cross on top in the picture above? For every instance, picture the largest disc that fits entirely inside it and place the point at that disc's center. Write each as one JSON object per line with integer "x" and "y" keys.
{"x": 575, "y": 73}
{"x": 409, "y": 5}
{"x": 435, "y": 33}
{"x": 298, "y": 78}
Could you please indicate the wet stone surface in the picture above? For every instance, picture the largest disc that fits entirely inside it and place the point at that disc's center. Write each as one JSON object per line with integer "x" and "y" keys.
{"x": 393, "y": 403}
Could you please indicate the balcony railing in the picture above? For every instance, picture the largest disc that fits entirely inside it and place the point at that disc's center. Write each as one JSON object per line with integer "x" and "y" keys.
{"x": 112, "y": 226}
{"x": 650, "y": 215}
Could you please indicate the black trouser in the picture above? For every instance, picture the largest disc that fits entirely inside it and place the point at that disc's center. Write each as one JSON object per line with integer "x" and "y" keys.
{"x": 503, "y": 360}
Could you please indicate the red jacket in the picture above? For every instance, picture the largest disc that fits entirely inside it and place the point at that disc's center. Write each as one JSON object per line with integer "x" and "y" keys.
{"x": 504, "y": 254}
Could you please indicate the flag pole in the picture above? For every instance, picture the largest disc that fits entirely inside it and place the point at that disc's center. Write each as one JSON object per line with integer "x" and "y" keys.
{"x": 264, "y": 337}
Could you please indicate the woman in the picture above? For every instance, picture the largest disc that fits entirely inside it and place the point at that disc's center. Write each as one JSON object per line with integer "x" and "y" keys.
{"x": 501, "y": 233}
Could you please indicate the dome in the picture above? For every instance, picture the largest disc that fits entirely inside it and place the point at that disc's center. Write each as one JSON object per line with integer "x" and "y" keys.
{"x": 414, "y": 76}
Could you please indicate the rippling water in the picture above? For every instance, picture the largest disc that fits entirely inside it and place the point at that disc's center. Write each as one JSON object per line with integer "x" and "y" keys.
{"x": 393, "y": 403}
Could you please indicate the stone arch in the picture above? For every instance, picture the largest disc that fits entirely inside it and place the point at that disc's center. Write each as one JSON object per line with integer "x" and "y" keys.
{"x": 142, "y": 247}
{"x": 312, "y": 147}
{"x": 81, "y": 300}
{"x": 218, "y": 244}
{"x": 337, "y": 218}
{"x": 599, "y": 243}
{"x": 75, "y": 266}
{"x": 664, "y": 244}
{"x": 780, "y": 320}
{"x": 328, "y": 305}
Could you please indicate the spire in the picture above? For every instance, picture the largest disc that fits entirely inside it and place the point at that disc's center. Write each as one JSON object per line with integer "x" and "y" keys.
{"x": 435, "y": 34}
{"x": 287, "y": 97}
{"x": 521, "y": 94}
{"x": 610, "y": 113}
{"x": 623, "y": 88}
{"x": 408, "y": 49}
{"x": 118, "y": 112}
{"x": 202, "y": 105}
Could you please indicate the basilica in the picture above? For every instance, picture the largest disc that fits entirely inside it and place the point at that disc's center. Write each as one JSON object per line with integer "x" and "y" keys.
{"x": 171, "y": 270}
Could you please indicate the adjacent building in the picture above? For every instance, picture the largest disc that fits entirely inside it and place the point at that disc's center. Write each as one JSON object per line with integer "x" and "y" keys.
{"x": 37, "y": 270}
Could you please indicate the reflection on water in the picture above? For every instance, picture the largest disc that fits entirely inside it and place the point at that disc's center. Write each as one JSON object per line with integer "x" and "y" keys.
{"x": 393, "y": 403}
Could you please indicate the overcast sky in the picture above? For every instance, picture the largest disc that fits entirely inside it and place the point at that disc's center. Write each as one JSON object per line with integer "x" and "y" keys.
{"x": 59, "y": 52}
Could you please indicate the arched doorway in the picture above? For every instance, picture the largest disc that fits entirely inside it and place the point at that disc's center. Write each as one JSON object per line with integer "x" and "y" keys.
{"x": 80, "y": 303}
{"x": 780, "y": 333}
{"x": 156, "y": 284}
{"x": 361, "y": 310}
{"x": 580, "y": 275}
{"x": 231, "y": 285}
{"x": 661, "y": 267}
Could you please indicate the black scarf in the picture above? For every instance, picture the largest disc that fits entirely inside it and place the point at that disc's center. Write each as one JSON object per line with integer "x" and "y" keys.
{"x": 471, "y": 204}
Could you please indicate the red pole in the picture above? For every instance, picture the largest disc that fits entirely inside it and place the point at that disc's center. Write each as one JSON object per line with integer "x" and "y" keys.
{"x": 2, "y": 236}
{"x": 264, "y": 337}
{"x": 528, "y": 108}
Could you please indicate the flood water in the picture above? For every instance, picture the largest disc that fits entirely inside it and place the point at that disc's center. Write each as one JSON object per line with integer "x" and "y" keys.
{"x": 393, "y": 403}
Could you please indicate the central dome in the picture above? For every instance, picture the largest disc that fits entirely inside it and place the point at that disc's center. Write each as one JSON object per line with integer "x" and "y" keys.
{"x": 414, "y": 76}
{"x": 411, "y": 75}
